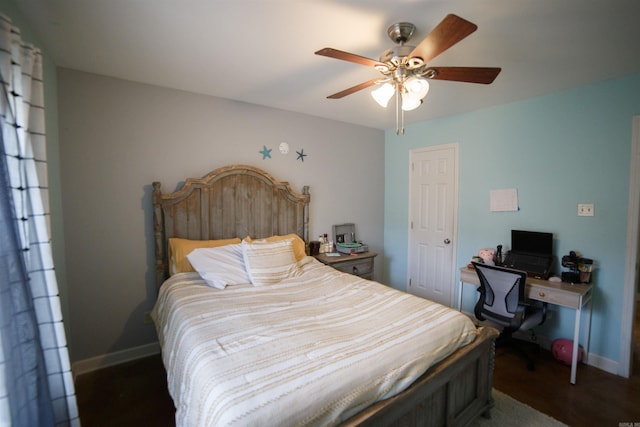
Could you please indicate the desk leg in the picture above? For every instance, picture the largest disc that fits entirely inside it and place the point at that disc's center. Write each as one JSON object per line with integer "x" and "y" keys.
{"x": 460, "y": 295}
{"x": 576, "y": 345}
{"x": 587, "y": 332}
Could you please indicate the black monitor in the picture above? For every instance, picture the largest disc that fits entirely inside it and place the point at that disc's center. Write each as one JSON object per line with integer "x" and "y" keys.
{"x": 534, "y": 242}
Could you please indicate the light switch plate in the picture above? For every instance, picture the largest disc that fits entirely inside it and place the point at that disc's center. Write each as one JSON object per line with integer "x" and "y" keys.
{"x": 586, "y": 209}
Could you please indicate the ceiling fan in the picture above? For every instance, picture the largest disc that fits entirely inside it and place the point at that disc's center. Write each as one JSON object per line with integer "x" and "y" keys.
{"x": 404, "y": 68}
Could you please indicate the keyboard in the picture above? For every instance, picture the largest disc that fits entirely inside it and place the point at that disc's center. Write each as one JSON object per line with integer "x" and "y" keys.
{"x": 527, "y": 262}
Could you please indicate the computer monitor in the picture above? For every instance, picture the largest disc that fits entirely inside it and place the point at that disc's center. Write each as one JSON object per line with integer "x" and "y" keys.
{"x": 533, "y": 242}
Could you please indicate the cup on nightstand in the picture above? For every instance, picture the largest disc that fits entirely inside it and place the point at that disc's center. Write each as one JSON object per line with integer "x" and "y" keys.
{"x": 314, "y": 247}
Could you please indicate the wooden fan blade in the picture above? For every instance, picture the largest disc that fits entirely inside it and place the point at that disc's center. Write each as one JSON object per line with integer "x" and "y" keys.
{"x": 483, "y": 75}
{"x": 356, "y": 88}
{"x": 351, "y": 57}
{"x": 450, "y": 31}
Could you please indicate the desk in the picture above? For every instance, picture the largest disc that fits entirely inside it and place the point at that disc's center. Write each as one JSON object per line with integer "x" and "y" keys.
{"x": 562, "y": 294}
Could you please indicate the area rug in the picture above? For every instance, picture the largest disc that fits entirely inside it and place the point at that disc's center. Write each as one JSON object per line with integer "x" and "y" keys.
{"x": 509, "y": 412}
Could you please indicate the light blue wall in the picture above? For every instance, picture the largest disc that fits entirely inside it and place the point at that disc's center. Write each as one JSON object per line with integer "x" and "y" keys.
{"x": 557, "y": 151}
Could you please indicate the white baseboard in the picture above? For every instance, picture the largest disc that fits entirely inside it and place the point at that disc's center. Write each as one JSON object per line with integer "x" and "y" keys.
{"x": 110, "y": 359}
{"x": 603, "y": 363}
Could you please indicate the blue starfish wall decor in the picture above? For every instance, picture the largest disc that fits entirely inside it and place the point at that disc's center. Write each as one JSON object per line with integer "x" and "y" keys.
{"x": 301, "y": 155}
{"x": 266, "y": 152}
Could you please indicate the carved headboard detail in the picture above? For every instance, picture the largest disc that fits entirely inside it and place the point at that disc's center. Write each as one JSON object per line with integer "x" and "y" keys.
{"x": 232, "y": 201}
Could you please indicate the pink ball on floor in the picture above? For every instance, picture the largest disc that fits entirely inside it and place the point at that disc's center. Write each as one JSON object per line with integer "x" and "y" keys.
{"x": 562, "y": 350}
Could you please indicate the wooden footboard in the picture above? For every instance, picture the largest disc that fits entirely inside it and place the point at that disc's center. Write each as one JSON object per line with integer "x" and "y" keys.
{"x": 452, "y": 393}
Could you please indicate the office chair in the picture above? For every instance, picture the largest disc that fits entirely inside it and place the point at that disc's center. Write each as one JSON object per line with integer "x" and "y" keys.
{"x": 502, "y": 301}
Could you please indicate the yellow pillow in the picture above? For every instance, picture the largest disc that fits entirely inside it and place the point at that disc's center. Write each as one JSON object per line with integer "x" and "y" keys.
{"x": 299, "y": 249}
{"x": 180, "y": 248}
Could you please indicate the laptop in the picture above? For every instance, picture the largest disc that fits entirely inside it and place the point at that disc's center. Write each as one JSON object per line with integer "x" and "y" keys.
{"x": 531, "y": 251}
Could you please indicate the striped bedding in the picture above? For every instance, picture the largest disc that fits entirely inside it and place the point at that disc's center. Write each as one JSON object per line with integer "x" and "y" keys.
{"x": 313, "y": 349}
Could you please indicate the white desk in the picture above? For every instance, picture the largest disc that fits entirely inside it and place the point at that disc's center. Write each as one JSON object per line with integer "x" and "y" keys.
{"x": 563, "y": 294}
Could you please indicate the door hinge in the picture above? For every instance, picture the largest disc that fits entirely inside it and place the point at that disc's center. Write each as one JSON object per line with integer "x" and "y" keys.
{"x": 412, "y": 225}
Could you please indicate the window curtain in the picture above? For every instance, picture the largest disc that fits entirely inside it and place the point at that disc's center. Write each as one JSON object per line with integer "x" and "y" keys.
{"x": 36, "y": 384}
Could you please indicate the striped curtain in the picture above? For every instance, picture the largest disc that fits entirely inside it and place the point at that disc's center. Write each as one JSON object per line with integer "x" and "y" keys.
{"x": 33, "y": 349}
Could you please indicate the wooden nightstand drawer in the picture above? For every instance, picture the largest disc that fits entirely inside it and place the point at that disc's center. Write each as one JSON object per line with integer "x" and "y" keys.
{"x": 359, "y": 265}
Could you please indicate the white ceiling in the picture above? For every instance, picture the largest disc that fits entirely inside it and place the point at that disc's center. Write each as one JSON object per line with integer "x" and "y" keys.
{"x": 262, "y": 51}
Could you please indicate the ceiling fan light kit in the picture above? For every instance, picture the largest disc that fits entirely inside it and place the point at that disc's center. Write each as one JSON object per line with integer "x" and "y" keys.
{"x": 405, "y": 68}
{"x": 409, "y": 102}
{"x": 383, "y": 94}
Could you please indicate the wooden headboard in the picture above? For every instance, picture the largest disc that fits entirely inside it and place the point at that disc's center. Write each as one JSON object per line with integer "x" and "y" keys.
{"x": 232, "y": 201}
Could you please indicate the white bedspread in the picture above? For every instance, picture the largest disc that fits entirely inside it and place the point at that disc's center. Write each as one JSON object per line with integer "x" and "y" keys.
{"x": 312, "y": 350}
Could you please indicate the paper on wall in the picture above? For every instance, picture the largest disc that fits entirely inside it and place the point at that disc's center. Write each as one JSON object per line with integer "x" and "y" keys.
{"x": 504, "y": 200}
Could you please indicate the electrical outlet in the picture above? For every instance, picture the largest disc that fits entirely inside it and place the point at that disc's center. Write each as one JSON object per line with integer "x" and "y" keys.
{"x": 585, "y": 209}
{"x": 147, "y": 317}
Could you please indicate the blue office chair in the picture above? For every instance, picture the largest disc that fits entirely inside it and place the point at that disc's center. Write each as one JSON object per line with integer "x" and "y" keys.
{"x": 502, "y": 301}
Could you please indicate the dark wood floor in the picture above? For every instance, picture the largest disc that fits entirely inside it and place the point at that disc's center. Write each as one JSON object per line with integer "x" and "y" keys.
{"x": 597, "y": 399}
{"x": 130, "y": 394}
{"x": 135, "y": 393}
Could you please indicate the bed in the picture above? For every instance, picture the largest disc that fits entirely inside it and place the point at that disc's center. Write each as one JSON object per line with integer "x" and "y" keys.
{"x": 295, "y": 342}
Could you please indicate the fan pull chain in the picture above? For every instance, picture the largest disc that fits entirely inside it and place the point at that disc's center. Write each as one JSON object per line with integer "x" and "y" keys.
{"x": 399, "y": 112}
{"x": 398, "y": 94}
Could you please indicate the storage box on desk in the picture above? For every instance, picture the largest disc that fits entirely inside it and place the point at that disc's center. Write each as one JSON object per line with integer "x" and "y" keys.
{"x": 345, "y": 239}
{"x": 351, "y": 248}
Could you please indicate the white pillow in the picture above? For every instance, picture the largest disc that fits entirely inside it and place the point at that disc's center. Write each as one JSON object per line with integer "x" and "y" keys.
{"x": 268, "y": 263}
{"x": 220, "y": 266}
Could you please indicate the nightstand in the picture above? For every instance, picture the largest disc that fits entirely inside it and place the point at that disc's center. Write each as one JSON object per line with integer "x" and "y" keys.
{"x": 360, "y": 265}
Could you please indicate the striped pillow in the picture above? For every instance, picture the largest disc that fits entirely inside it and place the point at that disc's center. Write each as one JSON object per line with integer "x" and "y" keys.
{"x": 268, "y": 263}
{"x": 299, "y": 247}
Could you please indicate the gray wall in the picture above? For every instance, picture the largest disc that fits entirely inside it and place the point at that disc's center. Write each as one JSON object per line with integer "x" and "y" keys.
{"x": 116, "y": 137}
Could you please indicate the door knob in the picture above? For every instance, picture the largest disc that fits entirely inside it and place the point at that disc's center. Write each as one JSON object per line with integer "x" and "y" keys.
{"x": 447, "y": 241}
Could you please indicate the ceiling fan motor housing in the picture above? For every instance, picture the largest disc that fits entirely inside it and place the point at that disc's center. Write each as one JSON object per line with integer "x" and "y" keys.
{"x": 401, "y": 32}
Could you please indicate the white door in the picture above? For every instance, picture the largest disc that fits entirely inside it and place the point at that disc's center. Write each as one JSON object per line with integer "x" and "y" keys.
{"x": 433, "y": 201}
